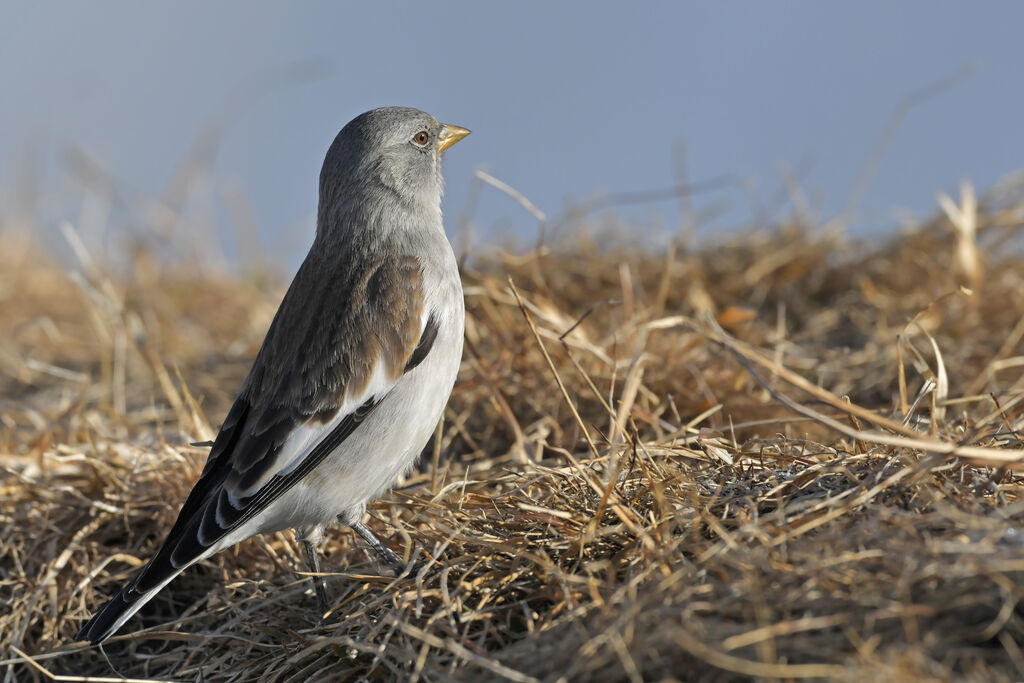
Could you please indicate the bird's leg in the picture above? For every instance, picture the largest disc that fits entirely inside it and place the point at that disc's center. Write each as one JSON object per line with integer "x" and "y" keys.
{"x": 381, "y": 549}
{"x": 319, "y": 585}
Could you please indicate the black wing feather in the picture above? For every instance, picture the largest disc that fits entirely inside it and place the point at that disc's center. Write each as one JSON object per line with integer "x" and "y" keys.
{"x": 425, "y": 344}
{"x": 207, "y": 529}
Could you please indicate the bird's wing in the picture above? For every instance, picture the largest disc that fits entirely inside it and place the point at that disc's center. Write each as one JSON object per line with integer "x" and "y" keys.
{"x": 342, "y": 338}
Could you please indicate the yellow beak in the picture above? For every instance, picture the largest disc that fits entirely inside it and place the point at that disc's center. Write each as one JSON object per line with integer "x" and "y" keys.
{"x": 449, "y": 136}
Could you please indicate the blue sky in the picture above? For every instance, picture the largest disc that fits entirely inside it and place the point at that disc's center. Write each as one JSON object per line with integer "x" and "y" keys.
{"x": 566, "y": 100}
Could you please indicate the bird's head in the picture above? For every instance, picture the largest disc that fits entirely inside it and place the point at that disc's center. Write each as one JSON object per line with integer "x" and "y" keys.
{"x": 385, "y": 160}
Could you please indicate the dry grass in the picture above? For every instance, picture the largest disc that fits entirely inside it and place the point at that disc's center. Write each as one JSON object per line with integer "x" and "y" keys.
{"x": 785, "y": 456}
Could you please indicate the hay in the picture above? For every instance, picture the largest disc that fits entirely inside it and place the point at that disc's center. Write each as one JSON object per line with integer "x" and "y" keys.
{"x": 787, "y": 455}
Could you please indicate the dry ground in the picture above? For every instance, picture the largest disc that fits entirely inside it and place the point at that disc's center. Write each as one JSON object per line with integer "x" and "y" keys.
{"x": 788, "y": 455}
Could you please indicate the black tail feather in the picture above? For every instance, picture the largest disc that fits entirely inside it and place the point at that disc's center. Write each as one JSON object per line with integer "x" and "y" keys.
{"x": 102, "y": 624}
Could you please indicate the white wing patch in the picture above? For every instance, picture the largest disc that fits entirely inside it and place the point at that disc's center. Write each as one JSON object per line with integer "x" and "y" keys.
{"x": 304, "y": 438}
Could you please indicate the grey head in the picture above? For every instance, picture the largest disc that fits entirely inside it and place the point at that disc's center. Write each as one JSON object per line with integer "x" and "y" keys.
{"x": 384, "y": 162}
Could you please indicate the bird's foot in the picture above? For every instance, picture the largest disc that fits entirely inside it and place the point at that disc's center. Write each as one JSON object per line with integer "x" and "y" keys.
{"x": 385, "y": 553}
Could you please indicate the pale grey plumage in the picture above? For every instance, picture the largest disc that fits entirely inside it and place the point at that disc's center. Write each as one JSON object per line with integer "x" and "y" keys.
{"x": 355, "y": 369}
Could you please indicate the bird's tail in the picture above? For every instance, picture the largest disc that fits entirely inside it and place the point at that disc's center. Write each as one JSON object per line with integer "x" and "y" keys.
{"x": 129, "y": 600}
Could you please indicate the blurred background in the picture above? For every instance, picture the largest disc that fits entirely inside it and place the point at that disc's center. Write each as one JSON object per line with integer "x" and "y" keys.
{"x": 212, "y": 119}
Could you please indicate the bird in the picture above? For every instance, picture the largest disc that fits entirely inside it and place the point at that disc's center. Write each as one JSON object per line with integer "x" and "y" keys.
{"x": 355, "y": 370}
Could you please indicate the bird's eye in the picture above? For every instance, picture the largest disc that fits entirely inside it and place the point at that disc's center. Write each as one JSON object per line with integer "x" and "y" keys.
{"x": 421, "y": 138}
